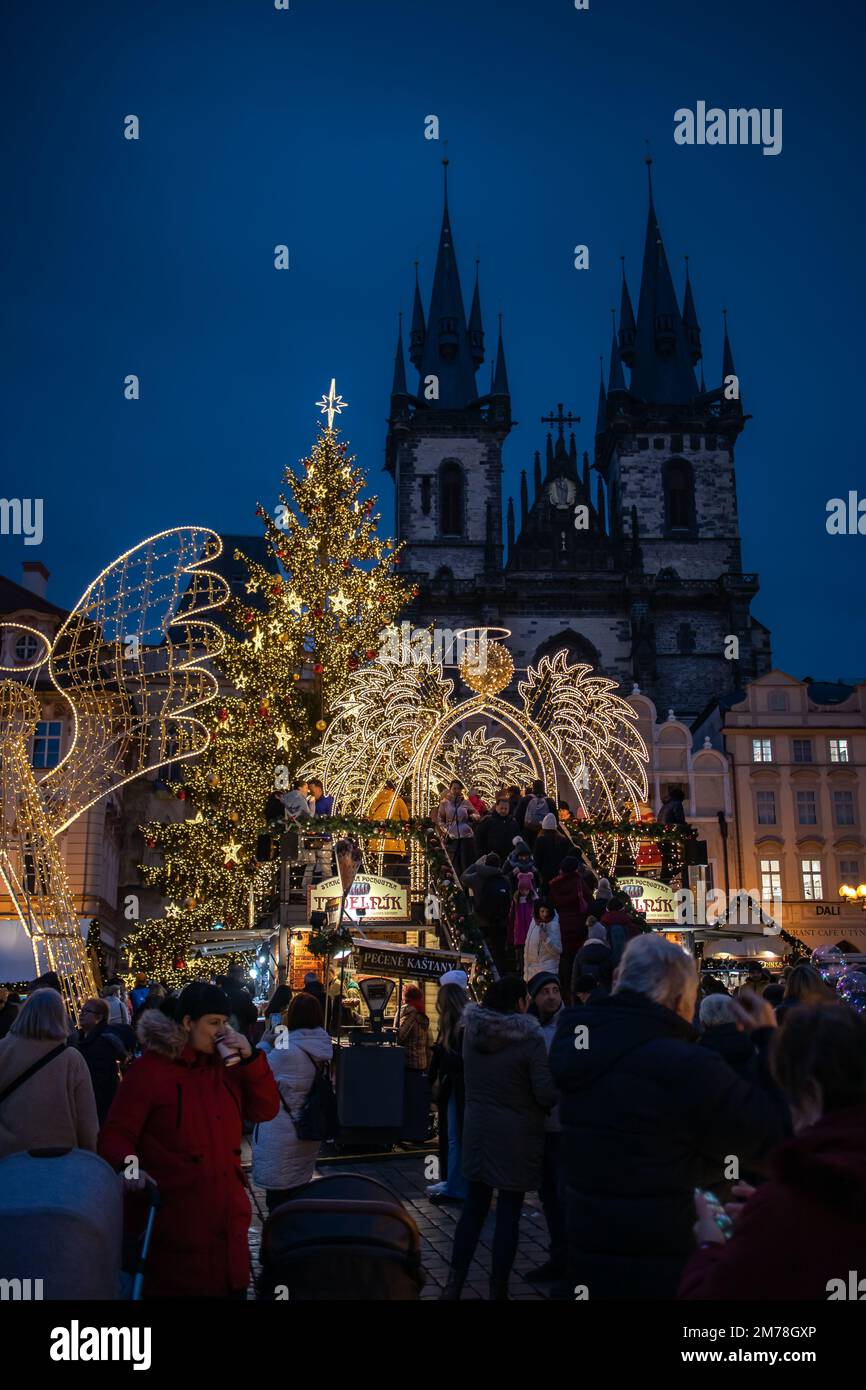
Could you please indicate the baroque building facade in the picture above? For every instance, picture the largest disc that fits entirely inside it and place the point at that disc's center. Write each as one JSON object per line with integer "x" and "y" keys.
{"x": 631, "y": 561}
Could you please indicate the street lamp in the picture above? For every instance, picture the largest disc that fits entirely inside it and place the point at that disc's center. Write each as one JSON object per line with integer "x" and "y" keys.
{"x": 852, "y": 894}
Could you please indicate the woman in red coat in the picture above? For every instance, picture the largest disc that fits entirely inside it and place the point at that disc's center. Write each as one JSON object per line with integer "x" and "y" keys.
{"x": 179, "y": 1111}
{"x": 802, "y": 1233}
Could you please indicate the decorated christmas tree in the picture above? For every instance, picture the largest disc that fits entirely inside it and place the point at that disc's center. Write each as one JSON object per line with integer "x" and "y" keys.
{"x": 307, "y": 623}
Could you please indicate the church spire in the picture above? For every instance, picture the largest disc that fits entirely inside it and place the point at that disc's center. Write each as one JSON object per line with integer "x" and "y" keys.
{"x": 509, "y": 522}
{"x": 448, "y": 356}
{"x": 399, "y": 386}
{"x": 418, "y": 332}
{"x": 524, "y": 498}
{"x": 500, "y": 374}
{"x": 731, "y": 405}
{"x": 690, "y": 320}
{"x": 663, "y": 372}
{"x": 476, "y": 327}
{"x": 616, "y": 380}
{"x": 626, "y": 321}
{"x": 601, "y": 413}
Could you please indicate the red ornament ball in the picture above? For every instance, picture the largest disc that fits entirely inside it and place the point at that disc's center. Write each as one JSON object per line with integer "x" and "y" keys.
{"x": 318, "y": 613}
{"x": 353, "y": 663}
{"x": 181, "y": 796}
{"x": 223, "y": 715}
{"x": 151, "y": 844}
{"x": 318, "y": 668}
{"x": 180, "y": 965}
{"x": 370, "y": 655}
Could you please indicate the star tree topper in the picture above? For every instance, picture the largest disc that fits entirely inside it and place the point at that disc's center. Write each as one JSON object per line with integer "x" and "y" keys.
{"x": 332, "y": 404}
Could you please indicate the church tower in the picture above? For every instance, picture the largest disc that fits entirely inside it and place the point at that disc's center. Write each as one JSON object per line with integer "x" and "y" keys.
{"x": 444, "y": 443}
{"x": 665, "y": 448}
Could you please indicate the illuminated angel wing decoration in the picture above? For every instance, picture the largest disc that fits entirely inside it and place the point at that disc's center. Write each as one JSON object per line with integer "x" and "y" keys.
{"x": 128, "y": 661}
{"x": 376, "y": 727}
{"x": 592, "y": 731}
{"x": 127, "y": 664}
{"x": 486, "y": 763}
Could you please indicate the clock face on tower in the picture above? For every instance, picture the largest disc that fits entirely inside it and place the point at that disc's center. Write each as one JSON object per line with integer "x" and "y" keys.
{"x": 561, "y": 492}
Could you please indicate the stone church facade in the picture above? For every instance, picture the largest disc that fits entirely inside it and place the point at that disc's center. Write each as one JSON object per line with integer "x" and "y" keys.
{"x": 630, "y": 560}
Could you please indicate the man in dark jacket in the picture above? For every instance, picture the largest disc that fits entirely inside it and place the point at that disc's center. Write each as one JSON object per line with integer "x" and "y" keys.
{"x": 491, "y": 894}
{"x": 102, "y": 1051}
{"x": 647, "y": 1117}
{"x": 244, "y": 1011}
{"x": 496, "y": 831}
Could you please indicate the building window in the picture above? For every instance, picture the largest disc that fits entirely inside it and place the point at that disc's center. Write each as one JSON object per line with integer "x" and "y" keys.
{"x": 762, "y": 750}
{"x": 451, "y": 498}
{"x": 838, "y": 750}
{"x": 778, "y": 701}
{"x": 658, "y": 444}
{"x": 843, "y": 807}
{"x": 643, "y": 443}
{"x": 679, "y": 492}
{"x": 695, "y": 442}
{"x": 802, "y": 750}
{"x": 425, "y": 494}
{"x": 26, "y": 647}
{"x": 686, "y": 640}
{"x": 807, "y": 810}
{"x": 771, "y": 879}
{"x": 766, "y": 802}
{"x": 676, "y": 443}
{"x": 849, "y": 872}
{"x": 46, "y": 743}
{"x": 811, "y": 870}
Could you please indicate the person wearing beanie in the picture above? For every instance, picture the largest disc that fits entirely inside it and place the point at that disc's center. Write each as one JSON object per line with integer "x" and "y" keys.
{"x": 520, "y": 916}
{"x": 601, "y": 900}
{"x": 552, "y": 845}
{"x": 179, "y": 1112}
{"x": 520, "y": 860}
{"x": 547, "y": 1006}
{"x": 454, "y": 977}
{"x": 568, "y": 894}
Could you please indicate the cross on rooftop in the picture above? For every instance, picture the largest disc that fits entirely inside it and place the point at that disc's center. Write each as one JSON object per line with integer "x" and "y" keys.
{"x": 560, "y": 419}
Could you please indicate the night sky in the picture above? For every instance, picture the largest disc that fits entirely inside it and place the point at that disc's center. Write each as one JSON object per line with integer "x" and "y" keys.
{"x": 306, "y": 127}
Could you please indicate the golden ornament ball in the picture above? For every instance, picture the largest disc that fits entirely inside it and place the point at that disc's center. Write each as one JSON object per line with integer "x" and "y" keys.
{"x": 233, "y": 816}
{"x": 493, "y": 675}
{"x": 321, "y": 725}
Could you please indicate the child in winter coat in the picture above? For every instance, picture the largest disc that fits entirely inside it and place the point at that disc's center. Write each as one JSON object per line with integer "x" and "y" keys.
{"x": 520, "y": 916}
{"x": 520, "y": 860}
{"x": 543, "y": 945}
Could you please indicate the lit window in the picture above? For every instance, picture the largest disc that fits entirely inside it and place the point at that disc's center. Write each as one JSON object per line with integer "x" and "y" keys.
{"x": 843, "y": 807}
{"x": 807, "y": 810}
{"x": 812, "y": 887}
{"x": 771, "y": 879}
{"x": 766, "y": 802}
{"x": 762, "y": 750}
{"x": 46, "y": 743}
{"x": 838, "y": 750}
{"x": 802, "y": 750}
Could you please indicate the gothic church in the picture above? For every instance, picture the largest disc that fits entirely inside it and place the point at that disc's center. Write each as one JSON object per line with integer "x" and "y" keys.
{"x": 639, "y": 573}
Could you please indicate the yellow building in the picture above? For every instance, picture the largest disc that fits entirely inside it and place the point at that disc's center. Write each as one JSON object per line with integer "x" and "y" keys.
{"x": 797, "y": 750}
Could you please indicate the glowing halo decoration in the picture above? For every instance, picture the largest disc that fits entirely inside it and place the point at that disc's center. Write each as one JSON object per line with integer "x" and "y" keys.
{"x": 126, "y": 665}
{"x": 399, "y": 723}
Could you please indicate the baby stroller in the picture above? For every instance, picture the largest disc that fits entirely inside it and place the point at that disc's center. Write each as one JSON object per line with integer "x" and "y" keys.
{"x": 61, "y": 1227}
{"x": 343, "y": 1237}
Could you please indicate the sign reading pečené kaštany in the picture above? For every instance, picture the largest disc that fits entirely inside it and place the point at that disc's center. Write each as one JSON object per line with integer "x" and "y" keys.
{"x": 413, "y": 961}
{"x": 380, "y": 899}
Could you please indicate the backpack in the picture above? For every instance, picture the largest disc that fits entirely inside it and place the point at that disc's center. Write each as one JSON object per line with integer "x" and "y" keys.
{"x": 536, "y": 810}
{"x": 496, "y": 897}
{"x": 317, "y": 1117}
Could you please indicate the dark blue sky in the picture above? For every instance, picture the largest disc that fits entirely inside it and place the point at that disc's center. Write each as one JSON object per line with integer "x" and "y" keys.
{"x": 306, "y": 127}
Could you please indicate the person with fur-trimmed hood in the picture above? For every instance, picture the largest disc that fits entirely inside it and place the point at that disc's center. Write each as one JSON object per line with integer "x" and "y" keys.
{"x": 509, "y": 1092}
{"x": 180, "y": 1111}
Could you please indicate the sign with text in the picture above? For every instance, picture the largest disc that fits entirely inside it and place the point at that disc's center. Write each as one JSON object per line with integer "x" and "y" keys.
{"x": 385, "y": 958}
{"x": 380, "y": 899}
{"x": 647, "y": 895}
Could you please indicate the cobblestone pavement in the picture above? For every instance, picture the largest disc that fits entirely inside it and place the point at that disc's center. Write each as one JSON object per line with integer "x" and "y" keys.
{"x": 405, "y": 1176}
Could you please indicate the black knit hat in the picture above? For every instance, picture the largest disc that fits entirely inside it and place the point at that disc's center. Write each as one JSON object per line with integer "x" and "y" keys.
{"x": 199, "y": 998}
{"x": 544, "y": 977}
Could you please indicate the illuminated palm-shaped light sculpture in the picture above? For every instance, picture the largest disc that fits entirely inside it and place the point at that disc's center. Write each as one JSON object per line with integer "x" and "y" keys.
{"x": 127, "y": 665}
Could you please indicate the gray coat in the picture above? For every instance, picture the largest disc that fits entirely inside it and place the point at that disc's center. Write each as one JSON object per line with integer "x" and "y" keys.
{"x": 509, "y": 1091}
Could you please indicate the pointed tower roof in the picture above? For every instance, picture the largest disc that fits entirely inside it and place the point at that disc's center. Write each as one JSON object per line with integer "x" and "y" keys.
{"x": 447, "y": 352}
{"x": 476, "y": 327}
{"x": 601, "y": 413}
{"x": 500, "y": 374}
{"x": 662, "y": 372}
{"x": 399, "y": 387}
{"x": 616, "y": 379}
{"x": 419, "y": 330}
{"x": 627, "y": 327}
{"x": 690, "y": 320}
{"x": 728, "y": 369}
